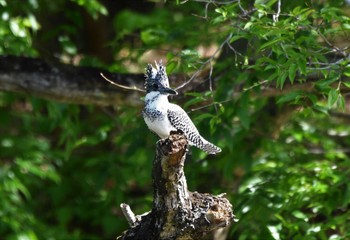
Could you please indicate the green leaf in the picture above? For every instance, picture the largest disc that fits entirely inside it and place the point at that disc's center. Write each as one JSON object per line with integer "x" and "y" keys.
{"x": 324, "y": 84}
{"x": 194, "y": 94}
{"x": 222, "y": 11}
{"x": 272, "y": 42}
{"x": 346, "y": 26}
{"x": 333, "y": 95}
{"x": 292, "y": 71}
{"x": 346, "y": 84}
{"x": 193, "y": 101}
{"x": 289, "y": 97}
{"x": 320, "y": 108}
{"x": 347, "y": 71}
{"x": 218, "y": 19}
{"x": 27, "y": 235}
{"x": 189, "y": 52}
{"x": 235, "y": 37}
{"x": 93, "y": 7}
{"x": 341, "y": 102}
{"x": 153, "y": 36}
{"x": 312, "y": 97}
{"x": 281, "y": 78}
{"x": 170, "y": 67}
{"x": 203, "y": 116}
{"x": 247, "y": 25}
{"x": 302, "y": 65}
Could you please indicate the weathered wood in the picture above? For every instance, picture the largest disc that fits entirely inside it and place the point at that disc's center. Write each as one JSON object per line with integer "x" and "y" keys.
{"x": 71, "y": 84}
{"x": 66, "y": 83}
{"x": 84, "y": 85}
{"x": 178, "y": 213}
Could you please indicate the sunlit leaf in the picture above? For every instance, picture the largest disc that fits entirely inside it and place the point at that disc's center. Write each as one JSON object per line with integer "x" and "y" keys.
{"x": 333, "y": 95}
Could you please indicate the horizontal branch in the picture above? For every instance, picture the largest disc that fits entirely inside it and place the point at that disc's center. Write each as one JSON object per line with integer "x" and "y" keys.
{"x": 72, "y": 84}
{"x": 85, "y": 85}
{"x": 65, "y": 83}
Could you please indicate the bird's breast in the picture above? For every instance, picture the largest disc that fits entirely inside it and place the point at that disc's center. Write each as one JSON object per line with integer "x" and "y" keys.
{"x": 161, "y": 127}
{"x": 155, "y": 116}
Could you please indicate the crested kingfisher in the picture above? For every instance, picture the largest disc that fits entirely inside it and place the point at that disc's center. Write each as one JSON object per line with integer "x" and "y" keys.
{"x": 161, "y": 116}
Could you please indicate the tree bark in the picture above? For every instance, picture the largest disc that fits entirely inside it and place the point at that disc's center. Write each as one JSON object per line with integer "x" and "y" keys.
{"x": 84, "y": 85}
{"x": 70, "y": 84}
{"x": 66, "y": 83}
{"x": 177, "y": 213}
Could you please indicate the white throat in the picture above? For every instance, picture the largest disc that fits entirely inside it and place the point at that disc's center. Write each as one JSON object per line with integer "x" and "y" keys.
{"x": 156, "y": 99}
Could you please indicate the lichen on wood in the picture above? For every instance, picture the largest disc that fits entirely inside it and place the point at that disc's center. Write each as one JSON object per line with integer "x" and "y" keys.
{"x": 178, "y": 213}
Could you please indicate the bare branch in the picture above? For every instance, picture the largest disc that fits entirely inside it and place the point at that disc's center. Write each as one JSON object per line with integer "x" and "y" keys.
{"x": 277, "y": 15}
{"x": 242, "y": 9}
{"x": 128, "y": 214}
{"x": 66, "y": 83}
{"x": 82, "y": 85}
{"x": 134, "y": 88}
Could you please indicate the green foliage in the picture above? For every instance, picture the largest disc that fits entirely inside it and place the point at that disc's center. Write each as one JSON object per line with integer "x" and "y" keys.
{"x": 273, "y": 97}
{"x": 308, "y": 198}
{"x": 16, "y": 29}
{"x": 93, "y": 7}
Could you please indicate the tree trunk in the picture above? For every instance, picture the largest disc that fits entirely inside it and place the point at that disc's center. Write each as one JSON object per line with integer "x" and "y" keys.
{"x": 177, "y": 213}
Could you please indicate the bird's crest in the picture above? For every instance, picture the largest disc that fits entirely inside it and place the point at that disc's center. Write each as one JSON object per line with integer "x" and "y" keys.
{"x": 156, "y": 75}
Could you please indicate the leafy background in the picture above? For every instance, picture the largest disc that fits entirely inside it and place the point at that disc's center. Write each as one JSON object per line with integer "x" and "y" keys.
{"x": 275, "y": 98}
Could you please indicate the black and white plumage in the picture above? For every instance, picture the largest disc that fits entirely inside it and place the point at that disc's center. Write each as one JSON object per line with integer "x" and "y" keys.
{"x": 161, "y": 116}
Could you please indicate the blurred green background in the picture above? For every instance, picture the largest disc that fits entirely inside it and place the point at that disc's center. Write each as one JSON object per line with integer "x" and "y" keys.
{"x": 274, "y": 97}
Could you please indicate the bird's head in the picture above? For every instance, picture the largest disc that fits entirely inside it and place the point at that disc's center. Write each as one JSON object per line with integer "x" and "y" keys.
{"x": 157, "y": 80}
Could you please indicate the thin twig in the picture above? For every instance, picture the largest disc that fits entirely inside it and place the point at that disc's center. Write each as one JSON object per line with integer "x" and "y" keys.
{"x": 208, "y": 2}
{"x": 242, "y": 9}
{"x": 216, "y": 2}
{"x": 255, "y": 85}
{"x": 134, "y": 88}
{"x": 334, "y": 48}
{"x": 210, "y": 78}
{"x": 205, "y": 12}
{"x": 211, "y": 104}
{"x": 234, "y": 51}
{"x": 327, "y": 65}
{"x": 276, "y": 16}
{"x": 211, "y": 84}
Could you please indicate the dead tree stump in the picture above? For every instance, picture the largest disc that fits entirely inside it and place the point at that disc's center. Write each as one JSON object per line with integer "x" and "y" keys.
{"x": 176, "y": 213}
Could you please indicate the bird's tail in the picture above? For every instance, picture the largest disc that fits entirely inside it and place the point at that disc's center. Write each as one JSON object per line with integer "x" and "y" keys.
{"x": 206, "y": 146}
{"x": 210, "y": 148}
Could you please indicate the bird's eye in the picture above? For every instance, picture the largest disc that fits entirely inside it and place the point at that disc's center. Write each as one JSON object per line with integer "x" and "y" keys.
{"x": 155, "y": 86}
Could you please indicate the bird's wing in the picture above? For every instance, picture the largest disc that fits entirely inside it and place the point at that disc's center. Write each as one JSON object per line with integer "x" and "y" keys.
{"x": 181, "y": 121}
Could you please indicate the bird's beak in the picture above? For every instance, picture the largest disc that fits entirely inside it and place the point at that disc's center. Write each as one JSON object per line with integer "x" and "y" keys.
{"x": 169, "y": 91}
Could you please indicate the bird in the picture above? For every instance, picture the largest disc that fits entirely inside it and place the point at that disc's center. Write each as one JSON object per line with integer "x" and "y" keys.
{"x": 161, "y": 116}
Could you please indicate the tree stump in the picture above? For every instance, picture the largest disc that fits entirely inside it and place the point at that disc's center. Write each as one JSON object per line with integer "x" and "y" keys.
{"x": 176, "y": 213}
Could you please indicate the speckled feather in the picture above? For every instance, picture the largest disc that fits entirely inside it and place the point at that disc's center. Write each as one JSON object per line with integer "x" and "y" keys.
{"x": 179, "y": 118}
{"x": 162, "y": 117}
